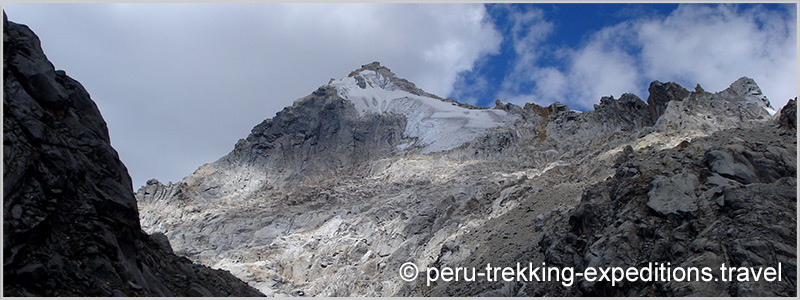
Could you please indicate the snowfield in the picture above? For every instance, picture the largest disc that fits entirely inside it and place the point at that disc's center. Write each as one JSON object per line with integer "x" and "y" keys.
{"x": 437, "y": 125}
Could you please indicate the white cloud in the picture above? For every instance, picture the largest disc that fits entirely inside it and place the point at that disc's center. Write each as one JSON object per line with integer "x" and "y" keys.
{"x": 178, "y": 84}
{"x": 551, "y": 83}
{"x": 598, "y": 69}
{"x": 716, "y": 45}
{"x": 710, "y": 45}
{"x": 528, "y": 32}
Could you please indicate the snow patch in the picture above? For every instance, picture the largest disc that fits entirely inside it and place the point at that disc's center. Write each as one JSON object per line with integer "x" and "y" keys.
{"x": 437, "y": 125}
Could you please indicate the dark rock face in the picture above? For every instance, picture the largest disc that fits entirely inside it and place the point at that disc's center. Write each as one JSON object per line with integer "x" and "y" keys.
{"x": 729, "y": 198}
{"x": 629, "y": 112}
{"x": 318, "y": 136}
{"x": 788, "y": 118}
{"x": 661, "y": 94}
{"x": 71, "y": 225}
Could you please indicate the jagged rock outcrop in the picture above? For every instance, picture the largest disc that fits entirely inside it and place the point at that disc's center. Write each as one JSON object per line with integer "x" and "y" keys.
{"x": 71, "y": 225}
{"x": 302, "y": 207}
{"x": 727, "y": 198}
{"x": 663, "y": 93}
{"x": 701, "y": 112}
{"x": 788, "y": 115}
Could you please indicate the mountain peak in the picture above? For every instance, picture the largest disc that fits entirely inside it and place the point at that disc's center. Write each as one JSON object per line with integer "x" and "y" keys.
{"x": 366, "y": 158}
{"x": 373, "y": 66}
{"x": 375, "y": 75}
{"x": 438, "y": 124}
{"x": 747, "y": 88}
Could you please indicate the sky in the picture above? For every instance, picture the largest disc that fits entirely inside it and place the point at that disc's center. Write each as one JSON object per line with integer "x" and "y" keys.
{"x": 179, "y": 84}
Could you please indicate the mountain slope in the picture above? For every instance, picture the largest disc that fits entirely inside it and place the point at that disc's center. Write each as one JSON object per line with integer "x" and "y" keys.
{"x": 71, "y": 224}
{"x": 337, "y": 191}
{"x": 726, "y": 198}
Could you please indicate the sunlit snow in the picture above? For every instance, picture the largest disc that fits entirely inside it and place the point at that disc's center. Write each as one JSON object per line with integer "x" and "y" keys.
{"x": 437, "y": 124}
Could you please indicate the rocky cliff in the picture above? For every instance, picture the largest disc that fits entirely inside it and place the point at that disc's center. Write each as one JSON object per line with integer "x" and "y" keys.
{"x": 337, "y": 191}
{"x": 71, "y": 224}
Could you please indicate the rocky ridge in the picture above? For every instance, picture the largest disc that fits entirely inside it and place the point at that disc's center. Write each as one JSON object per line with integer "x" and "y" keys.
{"x": 71, "y": 224}
{"x": 335, "y": 192}
{"x": 724, "y": 198}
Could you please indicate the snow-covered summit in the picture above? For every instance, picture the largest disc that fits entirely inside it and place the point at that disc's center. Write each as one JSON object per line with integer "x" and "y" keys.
{"x": 437, "y": 124}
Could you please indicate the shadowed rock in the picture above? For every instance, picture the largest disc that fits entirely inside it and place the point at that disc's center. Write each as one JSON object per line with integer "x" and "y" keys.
{"x": 72, "y": 224}
{"x": 788, "y": 117}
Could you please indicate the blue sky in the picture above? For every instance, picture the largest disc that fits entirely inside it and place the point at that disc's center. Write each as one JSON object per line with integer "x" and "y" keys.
{"x": 571, "y": 25}
{"x": 179, "y": 84}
